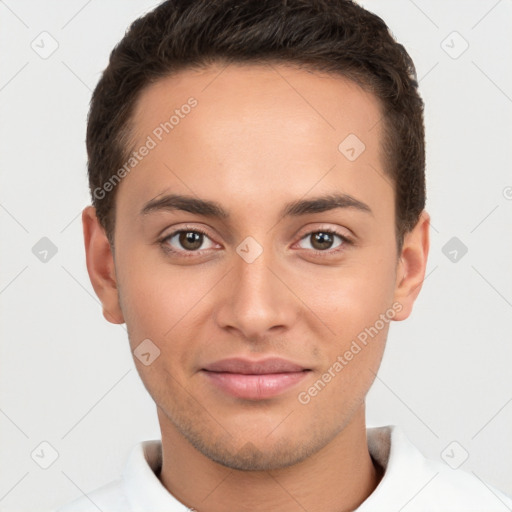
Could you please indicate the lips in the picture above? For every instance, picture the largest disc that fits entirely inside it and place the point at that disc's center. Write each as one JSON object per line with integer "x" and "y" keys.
{"x": 254, "y": 380}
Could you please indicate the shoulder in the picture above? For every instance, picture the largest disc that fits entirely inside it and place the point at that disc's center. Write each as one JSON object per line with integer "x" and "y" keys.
{"x": 415, "y": 483}
{"x": 459, "y": 490}
{"x": 108, "y": 497}
{"x": 138, "y": 487}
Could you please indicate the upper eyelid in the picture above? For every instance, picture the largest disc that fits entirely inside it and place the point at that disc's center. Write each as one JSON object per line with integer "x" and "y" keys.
{"x": 324, "y": 230}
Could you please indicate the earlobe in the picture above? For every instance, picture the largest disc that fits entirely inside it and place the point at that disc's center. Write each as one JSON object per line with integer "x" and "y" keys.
{"x": 412, "y": 265}
{"x": 100, "y": 266}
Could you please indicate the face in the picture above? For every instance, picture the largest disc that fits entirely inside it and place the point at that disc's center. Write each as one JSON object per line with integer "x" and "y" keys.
{"x": 283, "y": 246}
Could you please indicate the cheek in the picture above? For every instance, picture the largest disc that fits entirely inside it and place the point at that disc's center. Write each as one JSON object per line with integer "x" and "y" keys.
{"x": 351, "y": 297}
{"x": 358, "y": 308}
{"x": 158, "y": 299}
{"x": 161, "y": 304}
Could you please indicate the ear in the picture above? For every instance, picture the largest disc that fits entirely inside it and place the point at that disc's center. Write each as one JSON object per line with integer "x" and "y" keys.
{"x": 100, "y": 265}
{"x": 412, "y": 265}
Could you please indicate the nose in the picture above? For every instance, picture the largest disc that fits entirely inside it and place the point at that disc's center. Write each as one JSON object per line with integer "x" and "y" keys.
{"x": 256, "y": 300}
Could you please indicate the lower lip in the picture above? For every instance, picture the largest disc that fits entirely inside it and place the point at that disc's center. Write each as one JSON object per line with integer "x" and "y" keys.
{"x": 255, "y": 387}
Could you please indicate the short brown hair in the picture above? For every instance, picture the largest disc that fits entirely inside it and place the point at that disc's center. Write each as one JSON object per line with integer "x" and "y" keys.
{"x": 334, "y": 36}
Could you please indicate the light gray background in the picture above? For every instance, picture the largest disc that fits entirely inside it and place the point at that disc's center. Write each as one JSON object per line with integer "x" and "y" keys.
{"x": 67, "y": 376}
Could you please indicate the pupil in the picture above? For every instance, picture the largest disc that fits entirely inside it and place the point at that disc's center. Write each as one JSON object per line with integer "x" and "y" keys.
{"x": 322, "y": 240}
{"x": 190, "y": 240}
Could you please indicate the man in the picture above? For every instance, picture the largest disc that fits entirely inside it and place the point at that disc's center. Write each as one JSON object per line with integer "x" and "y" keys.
{"x": 257, "y": 174}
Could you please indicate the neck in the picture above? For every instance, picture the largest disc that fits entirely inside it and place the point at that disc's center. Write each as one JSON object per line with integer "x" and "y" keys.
{"x": 337, "y": 478}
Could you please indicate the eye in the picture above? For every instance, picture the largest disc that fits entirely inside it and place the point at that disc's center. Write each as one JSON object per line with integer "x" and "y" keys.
{"x": 187, "y": 240}
{"x": 323, "y": 240}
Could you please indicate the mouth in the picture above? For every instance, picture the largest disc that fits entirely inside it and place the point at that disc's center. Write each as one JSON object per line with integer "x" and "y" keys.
{"x": 254, "y": 380}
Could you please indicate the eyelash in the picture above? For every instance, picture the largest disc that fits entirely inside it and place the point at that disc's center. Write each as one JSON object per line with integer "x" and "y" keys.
{"x": 187, "y": 254}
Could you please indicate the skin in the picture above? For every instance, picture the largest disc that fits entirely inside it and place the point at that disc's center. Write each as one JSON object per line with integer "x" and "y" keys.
{"x": 261, "y": 136}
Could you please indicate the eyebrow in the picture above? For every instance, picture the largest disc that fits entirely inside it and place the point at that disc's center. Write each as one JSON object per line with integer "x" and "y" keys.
{"x": 213, "y": 209}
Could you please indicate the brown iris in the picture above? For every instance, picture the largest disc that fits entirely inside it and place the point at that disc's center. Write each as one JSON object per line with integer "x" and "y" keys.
{"x": 321, "y": 240}
{"x": 190, "y": 240}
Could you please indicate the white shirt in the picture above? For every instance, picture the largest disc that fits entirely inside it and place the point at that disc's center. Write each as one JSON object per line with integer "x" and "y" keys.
{"x": 411, "y": 483}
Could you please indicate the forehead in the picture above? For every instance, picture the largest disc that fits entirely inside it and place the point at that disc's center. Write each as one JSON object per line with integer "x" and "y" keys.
{"x": 284, "y": 95}
{"x": 255, "y": 131}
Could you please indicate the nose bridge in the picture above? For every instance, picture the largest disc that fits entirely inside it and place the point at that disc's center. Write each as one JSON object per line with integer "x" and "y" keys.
{"x": 254, "y": 280}
{"x": 257, "y": 300}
